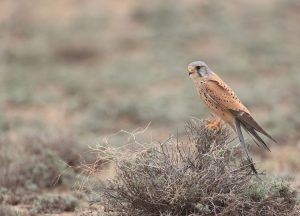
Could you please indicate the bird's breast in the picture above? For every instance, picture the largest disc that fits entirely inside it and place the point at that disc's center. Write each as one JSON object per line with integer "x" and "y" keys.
{"x": 211, "y": 104}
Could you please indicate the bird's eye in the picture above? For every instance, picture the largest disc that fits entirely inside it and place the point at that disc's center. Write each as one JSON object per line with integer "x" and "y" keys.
{"x": 198, "y": 67}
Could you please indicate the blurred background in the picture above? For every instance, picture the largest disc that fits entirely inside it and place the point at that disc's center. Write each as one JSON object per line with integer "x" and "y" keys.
{"x": 91, "y": 68}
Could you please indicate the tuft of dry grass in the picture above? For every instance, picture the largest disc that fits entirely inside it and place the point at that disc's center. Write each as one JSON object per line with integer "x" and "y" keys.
{"x": 200, "y": 176}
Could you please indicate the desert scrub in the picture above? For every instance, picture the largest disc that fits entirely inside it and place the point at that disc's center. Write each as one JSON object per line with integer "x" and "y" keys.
{"x": 32, "y": 163}
{"x": 54, "y": 204}
{"x": 10, "y": 211}
{"x": 37, "y": 171}
{"x": 202, "y": 175}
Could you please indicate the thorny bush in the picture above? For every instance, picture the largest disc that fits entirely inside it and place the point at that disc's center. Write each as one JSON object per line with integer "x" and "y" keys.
{"x": 202, "y": 175}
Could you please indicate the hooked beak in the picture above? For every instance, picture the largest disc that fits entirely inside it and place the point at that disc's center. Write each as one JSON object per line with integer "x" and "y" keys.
{"x": 190, "y": 70}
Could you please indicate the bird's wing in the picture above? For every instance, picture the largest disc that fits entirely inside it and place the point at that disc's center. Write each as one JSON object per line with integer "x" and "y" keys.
{"x": 223, "y": 95}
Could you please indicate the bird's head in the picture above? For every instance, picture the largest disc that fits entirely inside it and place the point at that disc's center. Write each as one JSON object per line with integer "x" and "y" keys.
{"x": 198, "y": 69}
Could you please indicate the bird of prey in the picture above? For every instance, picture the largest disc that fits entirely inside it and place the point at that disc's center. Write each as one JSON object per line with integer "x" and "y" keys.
{"x": 221, "y": 99}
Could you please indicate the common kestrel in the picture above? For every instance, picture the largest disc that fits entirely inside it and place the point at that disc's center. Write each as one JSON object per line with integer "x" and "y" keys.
{"x": 221, "y": 99}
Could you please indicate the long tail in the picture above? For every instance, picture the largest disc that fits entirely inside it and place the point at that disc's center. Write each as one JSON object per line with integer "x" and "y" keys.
{"x": 242, "y": 141}
{"x": 252, "y": 127}
{"x": 245, "y": 120}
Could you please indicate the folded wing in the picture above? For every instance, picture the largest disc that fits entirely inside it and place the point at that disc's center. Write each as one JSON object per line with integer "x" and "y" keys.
{"x": 223, "y": 96}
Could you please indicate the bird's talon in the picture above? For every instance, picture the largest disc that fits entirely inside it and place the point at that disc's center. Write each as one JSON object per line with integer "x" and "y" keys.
{"x": 214, "y": 124}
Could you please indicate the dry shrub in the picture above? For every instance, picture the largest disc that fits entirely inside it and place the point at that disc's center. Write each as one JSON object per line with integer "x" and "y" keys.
{"x": 37, "y": 171}
{"x": 65, "y": 145}
{"x": 41, "y": 161}
{"x": 54, "y": 204}
{"x": 9, "y": 197}
{"x": 201, "y": 176}
{"x": 23, "y": 167}
{"x": 8, "y": 211}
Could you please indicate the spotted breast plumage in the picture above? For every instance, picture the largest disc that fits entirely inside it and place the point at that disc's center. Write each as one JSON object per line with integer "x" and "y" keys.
{"x": 222, "y": 100}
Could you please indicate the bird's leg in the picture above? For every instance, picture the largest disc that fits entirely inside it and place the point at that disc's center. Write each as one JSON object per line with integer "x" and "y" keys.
{"x": 214, "y": 123}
